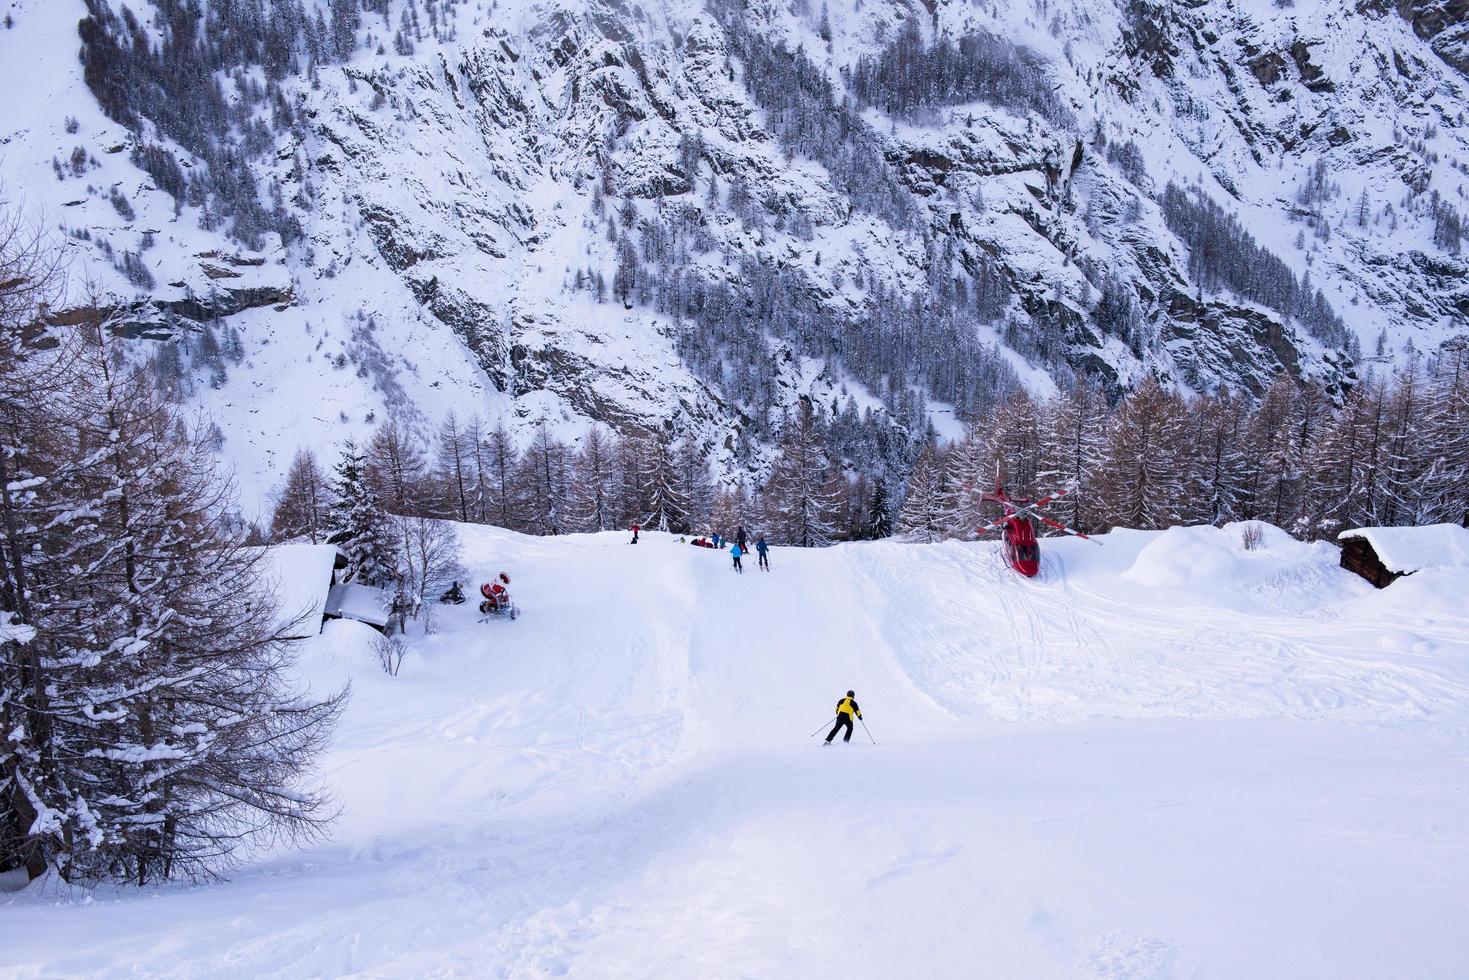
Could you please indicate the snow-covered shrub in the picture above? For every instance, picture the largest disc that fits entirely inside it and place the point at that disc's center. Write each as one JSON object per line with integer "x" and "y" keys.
{"x": 1252, "y": 536}
{"x": 389, "y": 651}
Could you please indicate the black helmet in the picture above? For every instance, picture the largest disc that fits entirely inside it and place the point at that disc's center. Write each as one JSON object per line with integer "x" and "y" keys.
{"x": 851, "y": 694}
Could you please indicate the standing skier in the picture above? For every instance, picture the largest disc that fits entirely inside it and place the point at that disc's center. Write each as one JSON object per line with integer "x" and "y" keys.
{"x": 846, "y": 708}
{"x": 740, "y": 539}
{"x": 635, "y": 529}
{"x": 735, "y": 553}
{"x": 763, "y": 550}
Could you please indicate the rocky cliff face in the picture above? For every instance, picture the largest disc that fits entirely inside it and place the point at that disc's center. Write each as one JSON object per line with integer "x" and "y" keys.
{"x": 1444, "y": 24}
{"x": 462, "y": 200}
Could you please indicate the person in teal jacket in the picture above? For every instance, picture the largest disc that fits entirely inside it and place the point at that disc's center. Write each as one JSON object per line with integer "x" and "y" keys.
{"x": 735, "y": 553}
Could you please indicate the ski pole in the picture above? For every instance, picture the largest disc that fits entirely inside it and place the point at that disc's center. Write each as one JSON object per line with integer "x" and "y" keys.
{"x": 869, "y": 734}
{"x": 823, "y": 725}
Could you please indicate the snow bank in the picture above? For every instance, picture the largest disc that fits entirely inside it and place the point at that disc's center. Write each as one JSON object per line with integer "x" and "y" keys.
{"x": 1189, "y": 558}
{"x": 347, "y": 643}
{"x": 1429, "y": 596}
{"x": 1221, "y": 566}
{"x": 1410, "y": 549}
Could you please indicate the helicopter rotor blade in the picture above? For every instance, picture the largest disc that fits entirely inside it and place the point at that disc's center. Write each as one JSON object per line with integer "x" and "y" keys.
{"x": 995, "y": 526}
{"x": 1051, "y": 498}
{"x": 1062, "y": 527}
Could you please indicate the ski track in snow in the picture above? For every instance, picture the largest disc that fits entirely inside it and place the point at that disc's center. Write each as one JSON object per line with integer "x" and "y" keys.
{"x": 1077, "y": 775}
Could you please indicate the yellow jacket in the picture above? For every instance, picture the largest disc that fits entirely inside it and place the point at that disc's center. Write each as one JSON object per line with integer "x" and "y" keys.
{"x": 848, "y": 706}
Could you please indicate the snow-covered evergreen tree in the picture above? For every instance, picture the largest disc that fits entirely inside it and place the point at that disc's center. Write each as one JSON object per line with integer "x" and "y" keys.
{"x": 971, "y": 474}
{"x": 357, "y": 523}
{"x": 543, "y": 478}
{"x": 592, "y": 493}
{"x": 731, "y": 509}
{"x": 1072, "y": 443}
{"x": 851, "y": 506}
{"x": 396, "y": 469}
{"x": 1404, "y": 463}
{"x": 1015, "y": 442}
{"x": 1273, "y": 456}
{"x": 40, "y": 516}
{"x": 455, "y": 458}
{"x": 634, "y": 494}
{"x": 1338, "y": 471}
{"x": 1218, "y": 470}
{"x": 494, "y": 476}
{"x": 1444, "y": 442}
{"x": 301, "y": 510}
{"x": 200, "y": 745}
{"x": 695, "y": 491}
{"x": 166, "y": 736}
{"x": 928, "y": 507}
{"x": 878, "y": 522}
{"x": 1144, "y": 476}
{"x": 668, "y": 509}
{"x": 799, "y": 498}
{"x": 38, "y": 802}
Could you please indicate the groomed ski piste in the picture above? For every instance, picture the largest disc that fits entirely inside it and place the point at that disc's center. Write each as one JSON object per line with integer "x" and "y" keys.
{"x": 1164, "y": 757}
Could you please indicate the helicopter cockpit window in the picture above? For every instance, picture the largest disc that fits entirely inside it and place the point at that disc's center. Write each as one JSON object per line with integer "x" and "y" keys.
{"x": 1029, "y": 552}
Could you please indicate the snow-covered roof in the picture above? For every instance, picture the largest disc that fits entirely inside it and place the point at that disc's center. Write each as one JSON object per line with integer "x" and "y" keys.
{"x": 301, "y": 575}
{"x": 360, "y": 602}
{"x": 1408, "y": 549}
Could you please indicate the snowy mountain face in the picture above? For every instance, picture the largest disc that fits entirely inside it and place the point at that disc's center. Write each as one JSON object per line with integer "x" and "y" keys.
{"x": 688, "y": 216}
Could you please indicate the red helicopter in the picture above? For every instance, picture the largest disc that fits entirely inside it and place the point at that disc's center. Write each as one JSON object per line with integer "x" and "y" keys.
{"x": 1022, "y": 549}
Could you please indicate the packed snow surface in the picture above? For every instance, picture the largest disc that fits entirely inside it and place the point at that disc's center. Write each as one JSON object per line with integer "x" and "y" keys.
{"x": 1410, "y": 549}
{"x": 1166, "y": 756}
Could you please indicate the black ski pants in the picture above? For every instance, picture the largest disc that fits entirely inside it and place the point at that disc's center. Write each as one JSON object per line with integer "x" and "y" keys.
{"x": 841, "y": 720}
{"x": 738, "y": 567}
{"x": 764, "y": 561}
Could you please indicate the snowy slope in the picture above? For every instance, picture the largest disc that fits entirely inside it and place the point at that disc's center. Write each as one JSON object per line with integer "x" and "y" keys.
{"x": 446, "y": 199}
{"x": 1166, "y": 756}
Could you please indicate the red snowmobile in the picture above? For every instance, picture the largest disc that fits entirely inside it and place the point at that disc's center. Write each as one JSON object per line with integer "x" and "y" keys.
{"x": 497, "y": 601}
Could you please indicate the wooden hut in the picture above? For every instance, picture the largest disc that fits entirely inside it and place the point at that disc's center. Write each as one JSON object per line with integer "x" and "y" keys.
{"x": 1382, "y": 555}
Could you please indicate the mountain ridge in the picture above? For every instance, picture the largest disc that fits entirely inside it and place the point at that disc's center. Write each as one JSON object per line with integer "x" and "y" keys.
{"x": 442, "y": 193}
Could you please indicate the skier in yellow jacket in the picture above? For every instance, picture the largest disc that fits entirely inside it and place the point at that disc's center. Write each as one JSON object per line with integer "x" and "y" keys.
{"x": 846, "y": 708}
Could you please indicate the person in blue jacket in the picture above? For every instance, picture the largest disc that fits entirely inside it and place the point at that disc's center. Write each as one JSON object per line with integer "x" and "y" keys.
{"x": 763, "y": 550}
{"x": 735, "y": 553}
